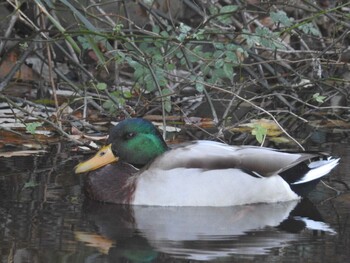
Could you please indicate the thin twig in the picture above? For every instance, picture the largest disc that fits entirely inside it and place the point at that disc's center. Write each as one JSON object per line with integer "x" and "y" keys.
{"x": 330, "y": 187}
{"x": 259, "y": 108}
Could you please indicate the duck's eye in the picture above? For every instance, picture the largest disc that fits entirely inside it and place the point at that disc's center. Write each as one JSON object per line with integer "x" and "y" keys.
{"x": 129, "y": 135}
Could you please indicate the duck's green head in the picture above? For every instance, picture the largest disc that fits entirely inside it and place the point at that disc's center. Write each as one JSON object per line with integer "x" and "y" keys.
{"x": 135, "y": 141}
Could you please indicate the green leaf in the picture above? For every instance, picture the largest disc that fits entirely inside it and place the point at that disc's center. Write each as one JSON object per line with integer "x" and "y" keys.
{"x": 127, "y": 94}
{"x": 119, "y": 97}
{"x": 192, "y": 57}
{"x": 198, "y": 49}
{"x": 259, "y": 132}
{"x": 170, "y": 66}
{"x": 144, "y": 46}
{"x": 118, "y": 28}
{"x": 84, "y": 43}
{"x": 30, "y": 184}
{"x": 213, "y": 10}
{"x": 164, "y": 34}
{"x": 231, "y": 56}
{"x": 218, "y": 45}
{"x": 219, "y": 63}
{"x": 159, "y": 43}
{"x": 166, "y": 98}
{"x": 158, "y": 57}
{"x": 31, "y": 127}
{"x": 156, "y": 29}
{"x": 317, "y": 97}
{"x": 23, "y": 46}
{"x": 309, "y": 29}
{"x": 101, "y": 86}
{"x": 183, "y": 62}
{"x": 199, "y": 84}
{"x": 281, "y": 17}
{"x": 184, "y": 31}
{"x": 250, "y": 38}
{"x": 218, "y": 53}
{"x": 119, "y": 57}
{"x": 228, "y": 70}
{"x": 199, "y": 35}
{"x": 231, "y": 47}
{"x": 268, "y": 39}
{"x": 184, "y": 28}
{"x": 205, "y": 69}
{"x": 110, "y": 106}
{"x": 148, "y": 80}
{"x": 217, "y": 75}
{"x": 227, "y": 11}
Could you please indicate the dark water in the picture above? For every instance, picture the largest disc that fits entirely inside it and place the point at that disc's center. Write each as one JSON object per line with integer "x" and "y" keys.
{"x": 45, "y": 218}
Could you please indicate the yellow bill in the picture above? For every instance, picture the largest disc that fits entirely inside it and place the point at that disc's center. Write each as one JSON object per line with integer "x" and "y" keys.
{"x": 103, "y": 157}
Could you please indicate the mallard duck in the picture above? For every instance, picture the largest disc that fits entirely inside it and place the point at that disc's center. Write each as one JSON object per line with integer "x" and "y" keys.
{"x": 137, "y": 167}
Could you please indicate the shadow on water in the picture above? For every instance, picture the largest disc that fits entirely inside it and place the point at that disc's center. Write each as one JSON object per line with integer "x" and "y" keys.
{"x": 45, "y": 218}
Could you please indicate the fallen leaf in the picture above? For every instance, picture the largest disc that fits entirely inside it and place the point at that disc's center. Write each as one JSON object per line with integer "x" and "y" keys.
{"x": 329, "y": 123}
{"x": 91, "y": 144}
{"x": 200, "y": 122}
{"x": 95, "y": 138}
{"x": 24, "y": 73}
{"x": 102, "y": 243}
{"x": 21, "y": 153}
{"x": 76, "y": 131}
{"x": 167, "y": 127}
{"x": 273, "y": 130}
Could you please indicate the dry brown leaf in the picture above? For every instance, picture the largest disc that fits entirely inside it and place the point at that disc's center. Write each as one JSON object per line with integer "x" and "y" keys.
{"x": 95, "y": 138}
{"x": 24, "y": 73}
{"x": 330, "y": 124}
{"x": 102, "y": 243}
{"x": 201, "y": 122}
{"x": 76, "y": 131}
{"x": 273, "y": 130}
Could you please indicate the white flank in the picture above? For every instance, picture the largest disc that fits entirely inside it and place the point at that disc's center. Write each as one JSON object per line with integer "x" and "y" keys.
{"x": 196, "y": 187}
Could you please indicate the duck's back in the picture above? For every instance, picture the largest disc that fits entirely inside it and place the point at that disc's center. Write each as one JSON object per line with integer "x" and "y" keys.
{"x": 214, "y": 155}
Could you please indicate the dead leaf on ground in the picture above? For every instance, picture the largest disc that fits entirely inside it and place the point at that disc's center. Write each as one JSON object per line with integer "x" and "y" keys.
{"x": 189, "y": 121}
{"x": 21, "y": 153}
{"x": 330, "y": 124}
{"x": 273, "y": 130}
{"x": 205, "y": 123}
{"x": 95, "y": 138}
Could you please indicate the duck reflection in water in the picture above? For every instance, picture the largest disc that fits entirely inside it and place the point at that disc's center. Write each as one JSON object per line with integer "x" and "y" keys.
{"x": 143, "y": 233}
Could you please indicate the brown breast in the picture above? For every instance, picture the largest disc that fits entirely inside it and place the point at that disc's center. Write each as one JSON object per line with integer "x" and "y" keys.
{"x": 113, "y": 183}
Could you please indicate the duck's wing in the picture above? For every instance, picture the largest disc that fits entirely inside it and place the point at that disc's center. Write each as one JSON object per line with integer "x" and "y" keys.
{"x": 210, "y": 155}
